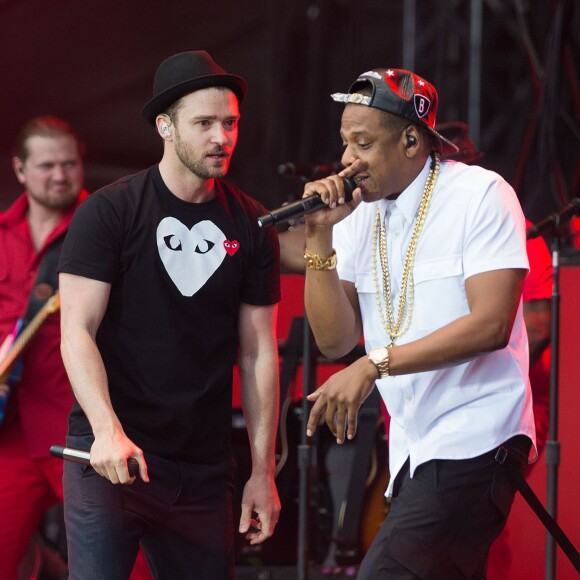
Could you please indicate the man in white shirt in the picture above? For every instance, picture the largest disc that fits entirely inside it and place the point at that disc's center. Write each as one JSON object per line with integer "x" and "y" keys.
{"x": 430, "y": 269}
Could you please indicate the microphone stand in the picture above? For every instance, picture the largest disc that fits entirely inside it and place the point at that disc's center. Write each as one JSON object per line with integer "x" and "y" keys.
{"x": 552, "y": 444}
{"x": 552, "y": 225}
{"x": 305, "y": 452}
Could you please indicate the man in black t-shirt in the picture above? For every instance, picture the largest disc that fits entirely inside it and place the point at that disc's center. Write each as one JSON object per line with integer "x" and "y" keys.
{"x": 166, "y": 282}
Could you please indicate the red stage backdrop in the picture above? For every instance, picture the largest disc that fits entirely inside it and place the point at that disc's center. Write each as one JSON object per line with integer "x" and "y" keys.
{"x": 527, "y": 534}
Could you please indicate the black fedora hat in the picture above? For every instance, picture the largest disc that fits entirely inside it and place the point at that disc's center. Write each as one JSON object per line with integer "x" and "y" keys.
{"x": 184, "y": 73}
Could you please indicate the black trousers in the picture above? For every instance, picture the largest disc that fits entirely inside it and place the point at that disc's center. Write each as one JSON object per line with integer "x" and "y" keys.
{"x": 182, "y": 518}
{"x": 443, "y": 520}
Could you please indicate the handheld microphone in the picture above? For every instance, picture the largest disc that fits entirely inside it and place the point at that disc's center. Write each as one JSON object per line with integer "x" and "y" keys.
{"x": 554, "y": 220}
{"x": 302, "y": 206}
{"x": 309, "y": 170}
{"x": 84, "y": 457}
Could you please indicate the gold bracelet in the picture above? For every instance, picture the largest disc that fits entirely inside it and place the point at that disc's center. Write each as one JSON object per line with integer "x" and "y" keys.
{"x": 317, "y": 262}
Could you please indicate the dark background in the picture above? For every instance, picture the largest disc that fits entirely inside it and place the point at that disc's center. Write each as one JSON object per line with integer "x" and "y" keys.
{"x": 92, "y": 63}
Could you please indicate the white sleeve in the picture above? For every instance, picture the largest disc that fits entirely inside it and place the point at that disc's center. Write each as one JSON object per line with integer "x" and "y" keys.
{"x": 496, "y": 232}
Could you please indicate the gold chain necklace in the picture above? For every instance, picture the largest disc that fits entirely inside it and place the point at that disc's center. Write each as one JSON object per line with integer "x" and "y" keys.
{"x": 405, "y": 309}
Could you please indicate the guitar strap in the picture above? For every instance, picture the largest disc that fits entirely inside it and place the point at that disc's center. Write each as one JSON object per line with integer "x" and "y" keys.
{"x": 47, "y": 274}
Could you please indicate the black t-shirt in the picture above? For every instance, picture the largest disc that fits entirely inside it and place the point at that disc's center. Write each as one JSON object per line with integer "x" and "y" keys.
{"x": 169, "y": 339}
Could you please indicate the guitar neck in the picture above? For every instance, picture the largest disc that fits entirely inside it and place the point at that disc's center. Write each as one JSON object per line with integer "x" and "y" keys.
{"x": 21, "y": 342}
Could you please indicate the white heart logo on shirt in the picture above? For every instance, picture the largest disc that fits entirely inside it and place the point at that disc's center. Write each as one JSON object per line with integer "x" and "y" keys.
{"x": 190, "y": 256}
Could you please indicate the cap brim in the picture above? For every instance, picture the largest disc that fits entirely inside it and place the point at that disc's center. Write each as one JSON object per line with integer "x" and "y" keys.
{"x": 447, "y": 147}
{"x": 163, "y": 100}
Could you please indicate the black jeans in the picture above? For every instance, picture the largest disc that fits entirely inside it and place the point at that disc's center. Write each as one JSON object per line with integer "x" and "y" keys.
{"x": 182, "y": 518}
{"x": 443, "y": 520}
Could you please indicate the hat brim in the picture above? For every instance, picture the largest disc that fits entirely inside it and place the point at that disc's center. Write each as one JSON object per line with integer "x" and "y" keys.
{"x": 163, "y": 100}
{"x": 446, "y": 147}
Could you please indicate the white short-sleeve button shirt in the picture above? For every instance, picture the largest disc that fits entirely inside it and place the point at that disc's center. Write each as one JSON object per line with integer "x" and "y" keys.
{"x": 474, "y": 224}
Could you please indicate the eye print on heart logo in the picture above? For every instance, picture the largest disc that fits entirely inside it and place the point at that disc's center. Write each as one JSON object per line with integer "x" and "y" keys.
{"x": 191, "y": 256}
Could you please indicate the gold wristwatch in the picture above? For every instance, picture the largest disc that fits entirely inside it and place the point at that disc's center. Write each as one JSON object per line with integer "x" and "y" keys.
{"x": 380, "y": 358}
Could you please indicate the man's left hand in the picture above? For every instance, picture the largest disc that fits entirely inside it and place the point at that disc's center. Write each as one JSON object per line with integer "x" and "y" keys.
{"x": 260, "y": 508}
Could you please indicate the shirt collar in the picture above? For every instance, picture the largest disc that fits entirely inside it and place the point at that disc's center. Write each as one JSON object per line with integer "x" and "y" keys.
{"x": 410, "y": 198}
{"x": 16, "y": 214}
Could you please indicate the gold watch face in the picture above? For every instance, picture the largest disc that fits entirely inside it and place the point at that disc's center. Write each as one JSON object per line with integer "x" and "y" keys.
{"x": 380, "y": 358}
{"x": 378, "y": 355}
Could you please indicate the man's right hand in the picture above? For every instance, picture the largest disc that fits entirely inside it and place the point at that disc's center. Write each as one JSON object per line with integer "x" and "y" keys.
{"x": 332, "y": 192}
{"x": 109, "y": 456}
